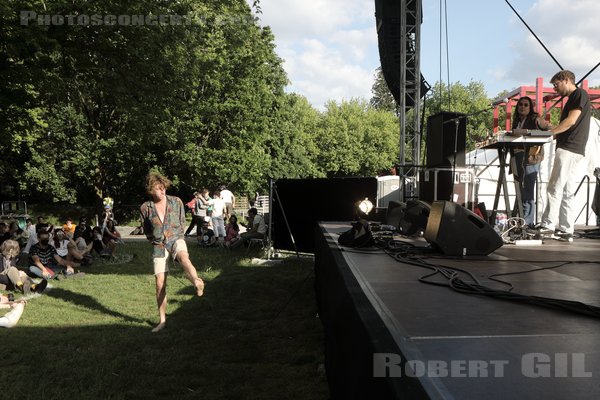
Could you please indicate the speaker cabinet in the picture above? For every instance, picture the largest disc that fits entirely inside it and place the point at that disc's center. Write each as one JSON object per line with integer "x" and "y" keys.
{"x": 456, "y": 231}
{"x": 446, "y": 184}
{"x": 415, "y": 218}
{"x": 443, "y": 135}
{"x": 395, "y": 212}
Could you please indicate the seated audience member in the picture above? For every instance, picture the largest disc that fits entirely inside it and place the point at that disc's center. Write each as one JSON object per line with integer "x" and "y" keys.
{"x": 42, "y": 224}
{"x": 60, "y": 242}
{"x": 256, "y": 228}
{"x": 111, "y": 233}
{"x": 111, "y": 236}
{"x": 232, "y": 231}
{"x": 98, "y": 244}
{"x": 83, "y": 234}
{"x": 45, "y": 262}
{"x": 33, "y": 239}
{"x": 206, "y": 236}
{"x": 28, "y": 234}
{"x": 69, "y": 228}
{"x": 15, "y": 232}
{"x": 11, "y": 318}
{"x": 67, "y": 248}
{"x": 4, "y": 233}
{"x": 10, "y": 276}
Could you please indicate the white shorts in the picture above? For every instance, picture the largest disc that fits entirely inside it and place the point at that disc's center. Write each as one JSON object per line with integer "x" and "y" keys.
{"x": 160, "y": 263}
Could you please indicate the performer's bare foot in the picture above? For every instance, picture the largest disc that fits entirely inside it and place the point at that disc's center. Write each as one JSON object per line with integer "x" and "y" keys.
{"x": 199, "y": 287}
{"x": 159, "y": 327}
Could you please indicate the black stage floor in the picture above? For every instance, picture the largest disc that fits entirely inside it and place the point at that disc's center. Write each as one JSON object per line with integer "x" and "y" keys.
{"x": 380, "y": 321}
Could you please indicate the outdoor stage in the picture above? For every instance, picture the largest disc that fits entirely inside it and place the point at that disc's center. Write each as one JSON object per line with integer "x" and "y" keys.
{"x": 377, "y": 316}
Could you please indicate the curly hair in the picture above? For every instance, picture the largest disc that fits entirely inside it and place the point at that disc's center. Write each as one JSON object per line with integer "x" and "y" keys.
{"x": 563, "y": 76}
{"x": 155, "y": 178}
{"x": 10, "y": 248}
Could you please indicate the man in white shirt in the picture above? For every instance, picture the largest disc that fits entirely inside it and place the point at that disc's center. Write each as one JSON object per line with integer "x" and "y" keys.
{"x": 219, "y": 213}
{"x": 257, "y": 228}
{"x": 228, "y": 198}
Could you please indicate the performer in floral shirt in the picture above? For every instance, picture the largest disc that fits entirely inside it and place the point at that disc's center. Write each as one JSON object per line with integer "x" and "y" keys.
{"x": 164, "y": 221}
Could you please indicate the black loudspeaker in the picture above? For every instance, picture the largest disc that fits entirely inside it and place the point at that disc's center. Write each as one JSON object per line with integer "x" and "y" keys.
{"x": 415, "y": 217}
{"x": 395, "y": 213}
{"x": 443, "y": 136}
{"x": 389, "y": 32}
{"x": 456, "y": 231}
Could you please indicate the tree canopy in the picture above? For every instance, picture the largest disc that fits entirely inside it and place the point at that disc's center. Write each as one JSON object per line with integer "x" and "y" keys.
{"x": 95, "y": 94}
{"x": 92, "y": 98}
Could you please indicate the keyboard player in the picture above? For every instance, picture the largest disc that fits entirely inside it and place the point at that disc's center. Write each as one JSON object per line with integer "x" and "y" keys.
{"x": 528, "y": 157}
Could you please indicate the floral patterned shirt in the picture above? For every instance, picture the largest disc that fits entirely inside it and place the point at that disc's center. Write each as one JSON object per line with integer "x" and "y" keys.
{"x": 163, "y": 234}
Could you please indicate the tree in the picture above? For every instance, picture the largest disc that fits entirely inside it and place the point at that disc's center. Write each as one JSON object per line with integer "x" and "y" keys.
{"x": 87, "y": 110}
{"x": 470, "y": 100}
{"x": 382, "y": 97}
{"x": 356, "y": 139}
{"x": 294, "y": 142}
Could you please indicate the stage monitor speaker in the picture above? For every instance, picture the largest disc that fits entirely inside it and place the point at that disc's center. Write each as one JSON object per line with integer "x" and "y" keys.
{"x": 456, "y": 231}
{"x": 443, "y": 136}
{"x": 395, "y": 213}
{"x": 415, "y": 217}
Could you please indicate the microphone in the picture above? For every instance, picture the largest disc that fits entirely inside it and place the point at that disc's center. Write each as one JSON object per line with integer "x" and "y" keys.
{"x": 499, "y": 101}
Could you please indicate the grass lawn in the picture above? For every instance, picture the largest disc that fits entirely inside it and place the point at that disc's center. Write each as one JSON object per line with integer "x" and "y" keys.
{"x": 253, "y": 335}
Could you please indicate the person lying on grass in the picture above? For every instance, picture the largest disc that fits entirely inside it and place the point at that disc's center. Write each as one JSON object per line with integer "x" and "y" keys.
{"x": 11, "y": 318}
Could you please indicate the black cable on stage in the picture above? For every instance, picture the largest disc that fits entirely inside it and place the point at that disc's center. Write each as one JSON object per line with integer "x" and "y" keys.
{"x": 454, "y": 282}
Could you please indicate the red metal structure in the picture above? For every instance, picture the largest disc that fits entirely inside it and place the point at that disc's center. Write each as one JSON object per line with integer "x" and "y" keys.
{"x": 543, "y": 99}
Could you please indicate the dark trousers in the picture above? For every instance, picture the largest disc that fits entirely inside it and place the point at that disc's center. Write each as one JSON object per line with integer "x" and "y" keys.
{"x": 196, "y": 221}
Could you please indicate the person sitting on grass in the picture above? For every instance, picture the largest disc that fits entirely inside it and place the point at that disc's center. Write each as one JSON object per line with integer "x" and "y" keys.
{"x": 11, "y": 318}
{"x": 206, "y": 236}
{"x": 232, "y": 231}
{"x": 256, "y": 228}
{"x": 69, "y": 228}
{"x": 45, "y": 262}
{"x": 99, "y": 246}
{"x": 111, "y": 236}
{"x": 10, "y": 276}
{"x": 67, "y": 249}
{"x": 83, "y": 234}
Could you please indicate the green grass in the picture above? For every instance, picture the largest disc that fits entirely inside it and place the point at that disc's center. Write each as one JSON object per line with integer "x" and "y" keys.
{"x": 90, "y": 338}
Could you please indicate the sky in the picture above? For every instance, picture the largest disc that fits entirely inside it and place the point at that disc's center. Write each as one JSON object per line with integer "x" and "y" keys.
{"x": 330, "y": 52}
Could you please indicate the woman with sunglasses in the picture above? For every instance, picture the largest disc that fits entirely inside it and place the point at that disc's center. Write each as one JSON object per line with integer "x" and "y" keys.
{"x": 528, "y": 158}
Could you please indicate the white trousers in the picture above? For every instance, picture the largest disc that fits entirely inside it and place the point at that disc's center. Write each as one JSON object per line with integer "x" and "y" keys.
{"x": 11, "y": 318}
{"x": 560, "y": 211}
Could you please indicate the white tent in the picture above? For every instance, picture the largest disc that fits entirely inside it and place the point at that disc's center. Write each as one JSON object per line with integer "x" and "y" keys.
{"x": 485, "y": 164}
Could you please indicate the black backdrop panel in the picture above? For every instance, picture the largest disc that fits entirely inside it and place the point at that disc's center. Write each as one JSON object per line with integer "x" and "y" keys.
{"x": 307, "y": 201}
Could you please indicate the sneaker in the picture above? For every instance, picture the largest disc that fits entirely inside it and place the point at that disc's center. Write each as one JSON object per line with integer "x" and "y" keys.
{"x": 39, "y": 287}
{"x": 542, "y": 230}
{"x": 562, "y": 235}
